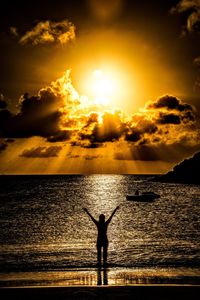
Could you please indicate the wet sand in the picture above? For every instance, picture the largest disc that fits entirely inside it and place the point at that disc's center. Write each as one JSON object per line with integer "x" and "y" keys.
{"x": 102, "y": 276}
{"x": 138, "y": 292}
{"x": 138, "y": 284}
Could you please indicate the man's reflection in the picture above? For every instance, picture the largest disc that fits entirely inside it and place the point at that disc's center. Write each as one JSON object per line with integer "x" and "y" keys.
{"x": 102, "y": 273}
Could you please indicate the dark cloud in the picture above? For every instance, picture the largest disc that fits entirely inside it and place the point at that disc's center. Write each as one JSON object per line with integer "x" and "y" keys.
{"x": 168, "y": 119}
{"x": 191, "y": 10}
{"x": 60, "y": 136}
{"x": 170, "y": 103}
{"x": 171, "y": 110}
{"x": 92, "y": 145}
{"x": 47, "y": 32}
{"x": 28, "y": 124}
{"x": 133, "y": 135}
{"x": 40, "y": 115}
{"x": 86, "y": 143}
{"x": 138, "y": 127}
{"x": 188, "y": 117}
{"x": 109, "y": 130}
{"x": 42, "y": 152}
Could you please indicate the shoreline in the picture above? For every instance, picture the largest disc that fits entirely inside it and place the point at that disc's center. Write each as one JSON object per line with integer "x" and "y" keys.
{"x": 102, "y": 277}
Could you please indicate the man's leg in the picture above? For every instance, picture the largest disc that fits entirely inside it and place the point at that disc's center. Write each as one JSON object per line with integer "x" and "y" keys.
{"x": 105, "y": 254}
{"x": 99, "y": 254}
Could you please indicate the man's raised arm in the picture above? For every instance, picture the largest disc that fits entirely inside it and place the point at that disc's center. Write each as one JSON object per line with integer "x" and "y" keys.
{"x": 89, "y": 214}
{"x": 114, "y": 211}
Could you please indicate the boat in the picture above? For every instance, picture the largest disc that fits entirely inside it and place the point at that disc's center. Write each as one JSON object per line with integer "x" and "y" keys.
{"x": 143, "y": 197}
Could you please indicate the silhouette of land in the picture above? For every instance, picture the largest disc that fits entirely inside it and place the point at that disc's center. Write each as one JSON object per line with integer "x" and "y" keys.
{"x": 185, "y": 172}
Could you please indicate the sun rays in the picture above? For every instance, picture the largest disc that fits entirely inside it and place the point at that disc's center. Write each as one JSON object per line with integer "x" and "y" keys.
{"x": 61, "y": 131}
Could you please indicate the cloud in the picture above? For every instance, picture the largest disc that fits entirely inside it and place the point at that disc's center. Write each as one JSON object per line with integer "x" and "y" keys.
{"x": 60, "y": 136}
{"x": 171, "y": 110}
{"x": 168, "y": 119}
{"x": 30, "y": 122}
{"x": 42, "y": 152}
{"x": 40, "y": 115}
{"x": 139, "y": 126}
{"x": 163, "y": 121}
{"x": 109, "y": 129}
{"x": 170, "y": 103}
{"x": 59, "y": 114}
{"x": 192, "y": 8}
{"x": 133, "y": 135}
{"x": 91, "y": 157}
{"x": 48, "y": 32}
{"x": 86, "y": 156}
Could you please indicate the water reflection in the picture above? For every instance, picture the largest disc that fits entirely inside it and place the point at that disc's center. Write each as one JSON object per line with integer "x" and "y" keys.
{"x": 102, "y": 274}
{"x": 103, "y": 191}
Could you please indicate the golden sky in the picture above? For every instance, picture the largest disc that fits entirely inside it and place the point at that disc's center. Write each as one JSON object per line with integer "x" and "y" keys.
{"x": 104, "y": 92}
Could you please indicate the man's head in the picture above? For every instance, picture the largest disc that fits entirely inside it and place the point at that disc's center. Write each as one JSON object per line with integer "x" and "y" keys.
{"x": 102, "y": 218}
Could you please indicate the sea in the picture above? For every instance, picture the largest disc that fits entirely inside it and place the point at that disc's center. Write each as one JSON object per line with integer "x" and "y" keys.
{"x": 46, "y": 239}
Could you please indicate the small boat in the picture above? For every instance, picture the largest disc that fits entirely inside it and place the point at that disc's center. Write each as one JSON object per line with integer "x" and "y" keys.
{"x": 143, "y": 197}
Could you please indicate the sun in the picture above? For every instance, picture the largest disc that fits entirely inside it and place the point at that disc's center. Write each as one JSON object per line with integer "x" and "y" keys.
{"x": 106, "y": 87}
{"x": 103, "y": 87}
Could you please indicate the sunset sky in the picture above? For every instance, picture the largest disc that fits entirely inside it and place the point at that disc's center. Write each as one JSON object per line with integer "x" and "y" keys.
{"x": 98, "y": 86}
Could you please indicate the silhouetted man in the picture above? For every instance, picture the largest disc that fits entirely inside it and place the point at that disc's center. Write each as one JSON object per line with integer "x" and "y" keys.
{"x": 102, "y": 240}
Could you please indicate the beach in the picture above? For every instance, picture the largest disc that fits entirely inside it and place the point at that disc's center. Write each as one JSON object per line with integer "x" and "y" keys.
{"x": 140, "y": 292}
